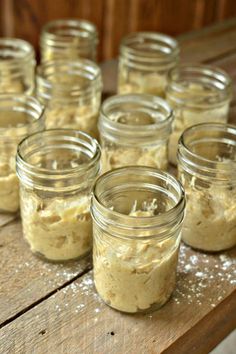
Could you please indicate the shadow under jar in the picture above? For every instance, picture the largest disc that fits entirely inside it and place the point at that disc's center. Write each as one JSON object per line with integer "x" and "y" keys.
{"x": 134, "y": 130}
{"x": 17, "y": 66}
{"x": 144, "y": 61}
{"x": 71, "y": 93}
{"x": 207, "y": 170}
{"x": 68, "y": 39}
{"x": 197, "y": 94}
{"x": 20, "y": 115}
{"x": 57, "y": 169}
{"x": 137, "y": 219}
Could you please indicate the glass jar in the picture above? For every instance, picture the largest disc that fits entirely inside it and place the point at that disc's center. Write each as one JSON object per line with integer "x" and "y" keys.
{"x": 134, "y": 130}
{"x": 57, "y": 169}
{"x": 71, "y": 93}
{"x": 137, "y": 219}
{"x": 197, "y": 94}
{"x": 20, "y": 115}
{"x": 17, "y": 66}
{"x": 207, "y": 170}
{"x": 68, "y": 39}
{"x": 144, "y": 61}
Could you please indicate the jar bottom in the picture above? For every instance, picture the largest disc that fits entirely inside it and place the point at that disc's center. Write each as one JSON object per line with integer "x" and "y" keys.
{"x": 55, "y": 261}
{"x": 208, "y": 251}
{"x": 154, "y": 307}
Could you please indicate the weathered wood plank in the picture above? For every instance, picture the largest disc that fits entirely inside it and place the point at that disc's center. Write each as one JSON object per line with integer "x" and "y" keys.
{"x": 75, "y": 319}
{"x": 26, "y": 279}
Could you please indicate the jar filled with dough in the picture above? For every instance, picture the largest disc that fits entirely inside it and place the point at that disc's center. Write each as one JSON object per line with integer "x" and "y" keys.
{"x": 71, "y": 93}
{"x": 137, "y": 219}
{"x": 68, "y": 39}
{"x": 207, "y": 170}
{"x": 144, "y": 61}
{"x": 57, "y": 169}
{"x": 17, "y": 66}
{"x": 197, "y": 94}
{"x": 134, "y": 130}
{"x": 20, "y": 115}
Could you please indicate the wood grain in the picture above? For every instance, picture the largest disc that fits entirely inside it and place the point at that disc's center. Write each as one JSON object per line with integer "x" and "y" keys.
{"x": 114, "y": 19}
{"x": 26, "y": 279}
{"x": 75, "y": 320}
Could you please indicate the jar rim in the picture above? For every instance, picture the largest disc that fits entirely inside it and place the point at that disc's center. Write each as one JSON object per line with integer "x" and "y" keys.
{"x": 69, "y": 133}
{"x": 152, "y": 221}
{"x": 25, "y": 47}
{"x": 85, "y": 28}
{"x": 90, "y": 69}
{"x": 31, "y": 103}
{"x": 186, "y": 156}
{"x": 142, "y": 101}
{"x": 203, "y": 72}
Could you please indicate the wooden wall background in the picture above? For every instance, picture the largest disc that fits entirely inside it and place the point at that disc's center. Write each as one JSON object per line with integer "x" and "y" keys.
{"x": 114, "y": 18}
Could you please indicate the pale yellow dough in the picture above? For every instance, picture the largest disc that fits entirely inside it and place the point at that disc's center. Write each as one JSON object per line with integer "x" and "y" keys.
{"x": 58, "y": 229}
{"x": 134, "y": 275}
{"x": 210, "y": 222}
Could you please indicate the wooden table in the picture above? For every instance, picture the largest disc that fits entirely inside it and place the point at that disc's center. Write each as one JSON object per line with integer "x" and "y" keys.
{"x": 53, "y": 308}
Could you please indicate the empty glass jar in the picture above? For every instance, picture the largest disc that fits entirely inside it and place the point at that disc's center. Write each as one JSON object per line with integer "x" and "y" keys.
{"x": 17, "y": 66}
{"x": 71, "y": 93}
{"x": 57, "y": 169}
{"x": 68, "y": 39}
{"x": 144, "y": 61}
{"x": 134, "y": 130}
{"x": 20, "y": 115}
{"x": 197, "y": 94}
{"x": 207, "y": 170}
{"x": 137, "y": 219}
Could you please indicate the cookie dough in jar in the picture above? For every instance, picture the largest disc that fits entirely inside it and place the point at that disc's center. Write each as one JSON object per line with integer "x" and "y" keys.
{"x": 144, "y": 61}
{"x": 17, "y": 66}
{"x": 68, "y": 39}
{"x": 20, "y": 115}
{"x": 56, "y": 170}
{"x": 207, "y": 170}
{"x": 134, "y": 130}
{"x": 71, "y": 92}
{"x": 197, "y": 94}
{"x": 137, "y": 219}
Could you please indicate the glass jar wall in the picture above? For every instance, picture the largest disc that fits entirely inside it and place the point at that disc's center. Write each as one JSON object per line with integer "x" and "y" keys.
{"x": 207, "y": 170}
{"x": 57, "y": 169}
{"x": 17, "y": 66}
{"x": 137, "y": 218}
{"x": 134, "y": 130}
{"x": 20, "y": 115}
{"x": 144, "y": 61}
{"x": 197, "y": 94}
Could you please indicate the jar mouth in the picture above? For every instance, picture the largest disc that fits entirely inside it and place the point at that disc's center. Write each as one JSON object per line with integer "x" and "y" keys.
{"x": 125, "y": 184}
{"x": 194, "y": 85}
{"x": 13, "y": 51}
{"x": 19, "y": 113}
{"x": 136, "y": 115}
{"x": 67, "y": 31}
{"x": 209, "y": 150}
{"x": 61, "y": 156}
{"x": 73, "y": 78}
{"x": 149, "y": 47}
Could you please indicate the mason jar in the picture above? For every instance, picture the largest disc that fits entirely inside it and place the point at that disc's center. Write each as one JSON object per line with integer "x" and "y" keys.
{"x": 68, "y": 39}
{"x": 137, "y": 219}
{"x": 197, "y": 94}
{"x": 207, "y": 170}
{"x": 144, "y": 61}
{"x": 17, "y": 66}
{"x": 134, "y": 130}
{"x": 71, "y": 93}
{"x": 20, "y": 115}
{"x": 57, "y": 169}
